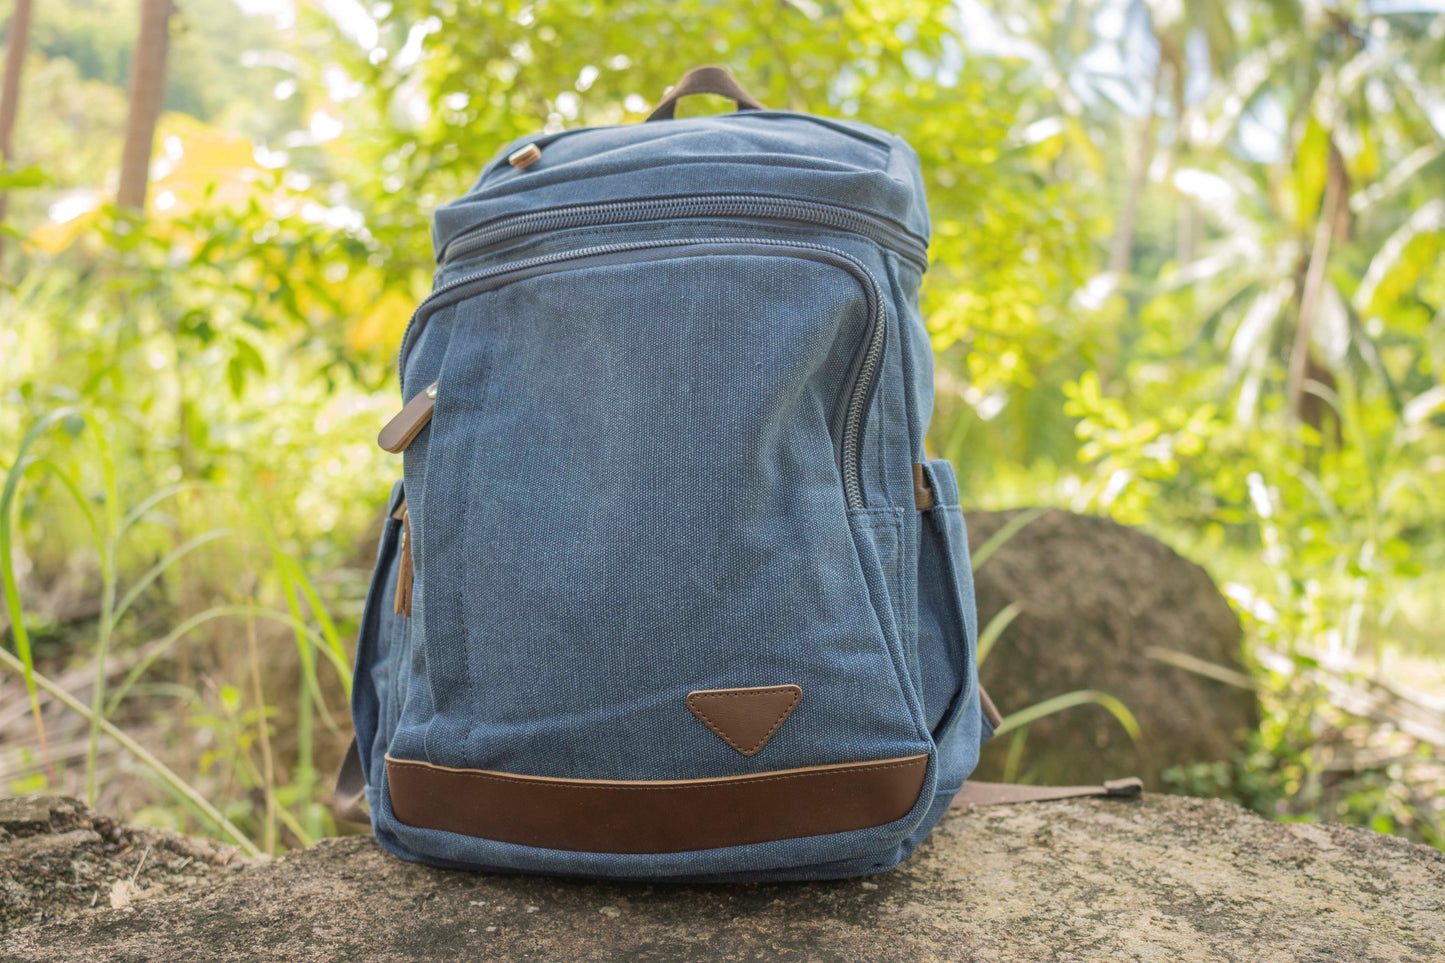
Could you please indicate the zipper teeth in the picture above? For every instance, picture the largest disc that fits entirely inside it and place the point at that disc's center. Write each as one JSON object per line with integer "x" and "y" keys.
{"x": 860, "y": 391}
{"x": 741, "y": 205}
{"x": 507, "y": 268}
{"x": 861, "y": 394}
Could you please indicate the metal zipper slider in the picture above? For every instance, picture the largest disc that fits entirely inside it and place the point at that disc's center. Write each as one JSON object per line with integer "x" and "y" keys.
{"x": 524, "y": 157}
{"x": 408, "y": 423}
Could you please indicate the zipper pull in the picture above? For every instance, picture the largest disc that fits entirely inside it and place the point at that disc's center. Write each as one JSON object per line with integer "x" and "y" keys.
{"x": 402, "y": 604}
{"x": 524, "y": 157}
{"x": 922, "y": 489}
{"x": 408, "y": 423}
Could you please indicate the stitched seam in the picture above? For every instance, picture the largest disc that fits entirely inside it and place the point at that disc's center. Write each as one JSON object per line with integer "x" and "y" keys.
{"x": 717, "y": 785}
{"x": 692, "y": 701}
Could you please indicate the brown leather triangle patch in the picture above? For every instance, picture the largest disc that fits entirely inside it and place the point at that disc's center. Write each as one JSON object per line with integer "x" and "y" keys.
{"x": 745, "y": 718}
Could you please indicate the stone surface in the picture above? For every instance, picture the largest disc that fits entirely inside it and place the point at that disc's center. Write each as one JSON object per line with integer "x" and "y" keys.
{"x": 1095, "y": 596}
{"x": 57, "y": 858}
{"x": 1165, "y": 878}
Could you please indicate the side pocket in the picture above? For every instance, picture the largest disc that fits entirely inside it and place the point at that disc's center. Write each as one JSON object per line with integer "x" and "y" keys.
{"x": 948, "y": 630}
{"x": 372, "y": 676}
{"x": 878, "y": 536}
{"x": 882, "y": 528}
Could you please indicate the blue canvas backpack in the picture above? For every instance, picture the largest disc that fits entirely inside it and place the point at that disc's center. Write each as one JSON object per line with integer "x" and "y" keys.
{"x": 669, "y": 588}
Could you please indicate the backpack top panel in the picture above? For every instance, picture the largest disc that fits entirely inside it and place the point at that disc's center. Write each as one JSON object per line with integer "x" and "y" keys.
{"x": 758, "y": 153}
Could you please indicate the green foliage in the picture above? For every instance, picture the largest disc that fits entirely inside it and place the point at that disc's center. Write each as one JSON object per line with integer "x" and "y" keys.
{"x": 210, "y": 376}
{"x": 207, "y": 63}
{"x": 1006, "y": 241}
{"x": 204, "y": 354}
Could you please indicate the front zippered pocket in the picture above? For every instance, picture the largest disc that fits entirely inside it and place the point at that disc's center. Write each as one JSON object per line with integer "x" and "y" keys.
{"x": 478, "y": 239}
{"x": 629, "y": 493}
{"x": 851, "y": 410}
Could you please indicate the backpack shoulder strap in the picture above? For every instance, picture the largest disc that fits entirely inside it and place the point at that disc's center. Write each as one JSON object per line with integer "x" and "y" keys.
{"x": 1004, "y": 793}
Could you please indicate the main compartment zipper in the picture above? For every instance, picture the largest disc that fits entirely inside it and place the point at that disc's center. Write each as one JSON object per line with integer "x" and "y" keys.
{"x": 857, "y": 393}
{"x": 484, "y": 236}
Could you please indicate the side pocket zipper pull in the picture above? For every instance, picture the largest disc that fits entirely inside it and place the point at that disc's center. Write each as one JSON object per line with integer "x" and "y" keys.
{"x": 408, "y": 423}
{"x": 923, "y": 498}
{"x": 402, "y": 604}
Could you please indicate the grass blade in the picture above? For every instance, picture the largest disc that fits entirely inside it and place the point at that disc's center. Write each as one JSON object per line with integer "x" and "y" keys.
{"x": 994, "y": 629}
{"x": 139, "y": 512}
{"x": 110, "y": 539}
{"x": 214, "y": 612}
{"x": 9, "y": 584}
{"x": 1209, "y": 670}
{"x": 1015, "y": 754}
{"x": 1010, "y": 529}
{"x": 1070, "y": 700}
{"x": 159, "y": 568}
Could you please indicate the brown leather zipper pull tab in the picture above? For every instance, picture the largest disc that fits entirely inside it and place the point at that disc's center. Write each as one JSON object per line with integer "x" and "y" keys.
{"x": 404, "y": 576}
{"x": 408, "y": 423}
{"x": 922, "y": 488}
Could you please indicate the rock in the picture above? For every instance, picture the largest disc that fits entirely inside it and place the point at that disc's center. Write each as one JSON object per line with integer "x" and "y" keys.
{"x": 1095, "y": 597}
{"x": 1164, "y": 878}
{"x": 58, "y": 858}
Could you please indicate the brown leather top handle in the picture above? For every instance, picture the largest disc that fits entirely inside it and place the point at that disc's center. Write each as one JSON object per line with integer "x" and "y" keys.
{"x": 704, "y": 80}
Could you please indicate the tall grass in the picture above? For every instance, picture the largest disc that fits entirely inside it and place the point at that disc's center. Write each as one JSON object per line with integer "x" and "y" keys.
{"x": 311, "y": 628}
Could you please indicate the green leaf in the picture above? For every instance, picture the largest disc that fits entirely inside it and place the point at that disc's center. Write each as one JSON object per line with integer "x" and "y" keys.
{"x": 23, "y": 178}
{"x": 236, "y": 376}
{"x": 249, "y": 356}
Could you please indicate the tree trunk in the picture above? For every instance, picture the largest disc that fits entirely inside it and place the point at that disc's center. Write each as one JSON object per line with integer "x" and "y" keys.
{"x": 10, "y": 91}
{"x": 1138, "y": 177}
{"x": 147, "y": 94}
{"x": 1336, "y": 197}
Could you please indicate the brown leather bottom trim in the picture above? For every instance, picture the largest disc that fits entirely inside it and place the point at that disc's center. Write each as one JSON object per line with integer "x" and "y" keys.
{"x": 602, "y": 816}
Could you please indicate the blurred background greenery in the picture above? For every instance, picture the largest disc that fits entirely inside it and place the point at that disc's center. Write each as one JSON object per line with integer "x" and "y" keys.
{"x": 1187, "y": 271}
